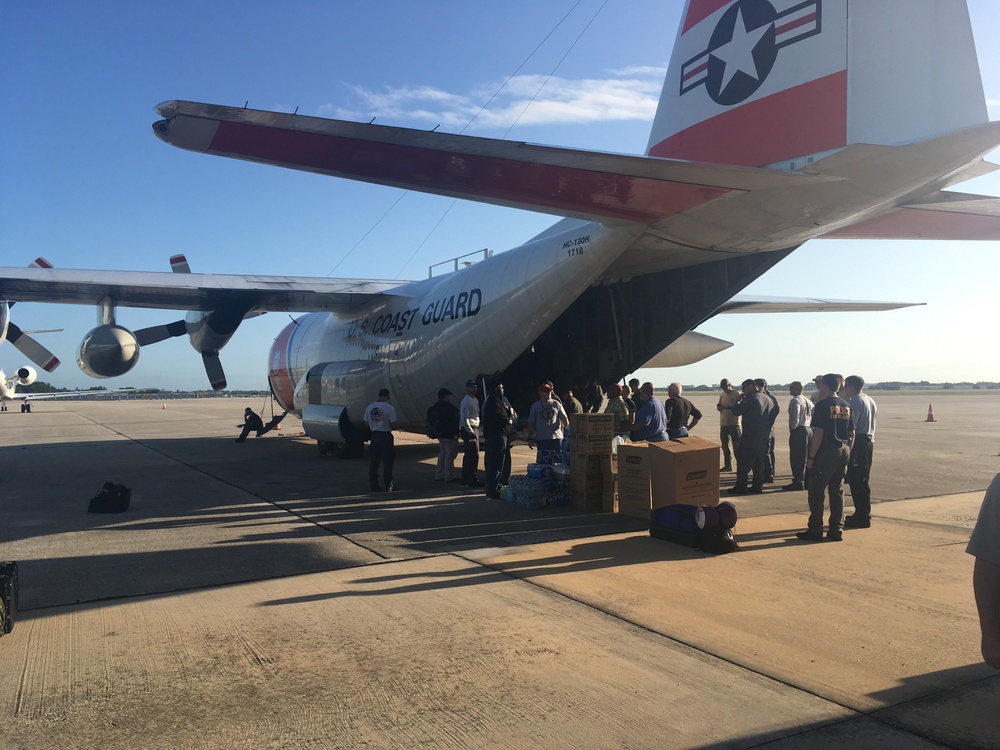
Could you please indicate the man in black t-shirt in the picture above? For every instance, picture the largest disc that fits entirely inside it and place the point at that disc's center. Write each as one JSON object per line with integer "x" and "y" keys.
{"x": 826, "y": 465}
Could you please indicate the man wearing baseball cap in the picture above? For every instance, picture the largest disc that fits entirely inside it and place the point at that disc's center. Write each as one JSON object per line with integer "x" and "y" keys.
{"x": 546, "y": 420}
{"x": 442, "y": 425}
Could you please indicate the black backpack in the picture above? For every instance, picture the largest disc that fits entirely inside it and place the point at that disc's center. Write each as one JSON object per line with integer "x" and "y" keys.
{"x": 432, "y": 426}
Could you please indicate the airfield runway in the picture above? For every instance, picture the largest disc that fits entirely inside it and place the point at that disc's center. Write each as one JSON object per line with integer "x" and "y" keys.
{"x": 256, "y": 595}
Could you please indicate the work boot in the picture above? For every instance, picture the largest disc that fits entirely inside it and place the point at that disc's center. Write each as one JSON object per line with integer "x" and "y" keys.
{"x": 857, "y": 522}
{"x": 794, "y": 487}
{"x": 808, "y": 536}
{"x": 727, "y": 467}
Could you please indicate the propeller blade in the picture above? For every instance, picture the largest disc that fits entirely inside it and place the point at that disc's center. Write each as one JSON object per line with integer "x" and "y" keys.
{"x": 153, "y": 334}
{"x": 31, "y": 348}
{"x": 213, "y": 368}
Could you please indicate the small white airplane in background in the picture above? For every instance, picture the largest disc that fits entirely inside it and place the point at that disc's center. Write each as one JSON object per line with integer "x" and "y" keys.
{"x": 25, "y": 375}
{"x": 780, "y": 121}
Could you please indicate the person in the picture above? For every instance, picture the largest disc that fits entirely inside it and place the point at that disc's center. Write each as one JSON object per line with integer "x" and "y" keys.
{"x": 593, "y": 397}
{"x": 251, "y": 423}
{"x": 800, "y": 411}
{"x": 616, "y": 405}
{"x": 380, "y": 416}
{"x": 650, "y": 418}
{"x": 984, "y": 545}
{"x": 499, "y": 420}
{"x": 729, "y": 423}
{"x": 682, "y": 415}
{"x": 859, "y": 467}
{"x": 832, "y": 438}
{"x": 442, "y": 425}
{"x": 756, "y": 411}
{"x": 771, "y": 458}
{"x": 546, "y": 420}
{"x": 630, "y": 397}
{"x": 634, "y": 387}
{"x": 814, "y": 396}
{"x": 468, "y": 423}
{"x": 571, "y": 404}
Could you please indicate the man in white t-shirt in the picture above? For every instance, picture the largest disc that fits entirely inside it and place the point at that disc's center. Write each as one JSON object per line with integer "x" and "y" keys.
{"x": 381, "y": 420}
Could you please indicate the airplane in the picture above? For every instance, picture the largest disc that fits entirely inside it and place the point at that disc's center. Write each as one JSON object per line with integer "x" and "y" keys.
{"x": 779, "y": 121}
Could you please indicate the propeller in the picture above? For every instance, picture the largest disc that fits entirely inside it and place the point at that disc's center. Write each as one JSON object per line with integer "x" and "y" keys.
{"x": 28, "y": 346}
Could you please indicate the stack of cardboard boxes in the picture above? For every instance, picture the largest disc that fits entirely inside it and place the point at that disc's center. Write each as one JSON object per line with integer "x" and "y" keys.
{"x": 591, "y": 475}
{"x": 652, "y": 475}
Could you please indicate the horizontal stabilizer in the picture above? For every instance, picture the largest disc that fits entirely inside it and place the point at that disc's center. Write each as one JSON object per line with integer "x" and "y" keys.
{"x": 749, "y": 304}
{"x": 579, "y": 184}
{"x": 942, "y": 216}
{"x": 690, "y": 348}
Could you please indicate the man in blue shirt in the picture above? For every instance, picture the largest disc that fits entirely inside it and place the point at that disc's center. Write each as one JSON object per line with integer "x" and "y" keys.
{"x": 650, "y": 418}
{"x": 833, "y": 437}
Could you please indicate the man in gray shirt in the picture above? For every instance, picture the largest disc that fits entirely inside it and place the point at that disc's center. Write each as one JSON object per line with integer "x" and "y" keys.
{"x": 859, "y": 468}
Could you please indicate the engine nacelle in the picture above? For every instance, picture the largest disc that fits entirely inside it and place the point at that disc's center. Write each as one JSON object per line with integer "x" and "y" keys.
{"x": 108, "y": 351}
{"x": 26, "y": 375}
{"x": 332, "y": 393}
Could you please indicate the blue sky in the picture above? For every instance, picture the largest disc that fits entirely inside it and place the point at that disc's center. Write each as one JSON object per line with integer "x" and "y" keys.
{"x": 84, "y": 183}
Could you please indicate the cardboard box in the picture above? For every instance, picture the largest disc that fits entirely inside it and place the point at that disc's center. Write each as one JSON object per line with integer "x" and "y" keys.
{"x": 685, "y": 471}
{"x": 592, "y": 424}
{"x": 651, "y": 475}
{"x": 634, "y": 497}
{"x": 590, "y": 483}
{"x": 588, "y": 463}
{"x": 609, "y": 463}
{"x": 586, "y": 501}
{"x": 609, "y": 502}
{"x": 590, "y": 444}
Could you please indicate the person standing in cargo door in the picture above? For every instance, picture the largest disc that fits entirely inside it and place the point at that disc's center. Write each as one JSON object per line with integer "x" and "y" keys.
{"x": 468, "y": 431}
{"x": 380, "y": 416}
{"x": 546, "y": 421}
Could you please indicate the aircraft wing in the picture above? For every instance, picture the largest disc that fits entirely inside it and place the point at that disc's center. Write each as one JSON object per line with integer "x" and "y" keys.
{"x": 743, "y": 303}
{"x": 190, "y": 291}
{"x": 579, "y": 184}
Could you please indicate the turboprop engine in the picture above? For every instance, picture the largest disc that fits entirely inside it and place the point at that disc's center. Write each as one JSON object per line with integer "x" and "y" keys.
{"x": 25, "y": 375}
{"x": 108, "y": 351}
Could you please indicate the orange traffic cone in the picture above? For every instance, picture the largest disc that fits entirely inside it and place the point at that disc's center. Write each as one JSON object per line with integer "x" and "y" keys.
{"x": 930, "y": 414}
{"x": 278, "y": 426}
{"x": 164, "y": 406}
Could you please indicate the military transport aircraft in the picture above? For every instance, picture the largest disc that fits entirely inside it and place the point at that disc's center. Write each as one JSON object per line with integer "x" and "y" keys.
{"x": 780, "y": 121}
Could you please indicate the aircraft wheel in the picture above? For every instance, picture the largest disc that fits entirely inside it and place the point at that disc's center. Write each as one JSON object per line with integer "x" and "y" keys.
{"x": 326, "y": 448}
{"x": 352, "y": 449}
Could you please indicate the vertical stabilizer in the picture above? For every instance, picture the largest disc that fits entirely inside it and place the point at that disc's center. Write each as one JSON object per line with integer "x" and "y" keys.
{"x": 782, "y": 82}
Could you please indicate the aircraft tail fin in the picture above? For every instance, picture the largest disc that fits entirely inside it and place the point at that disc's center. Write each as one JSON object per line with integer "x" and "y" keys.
{"x": 783, "y": 82}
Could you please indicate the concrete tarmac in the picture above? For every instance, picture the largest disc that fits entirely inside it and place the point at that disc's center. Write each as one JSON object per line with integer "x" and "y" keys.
{"x": 256, "y": 595}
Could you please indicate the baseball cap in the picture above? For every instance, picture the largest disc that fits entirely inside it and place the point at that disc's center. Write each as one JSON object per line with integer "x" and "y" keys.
{"x": 383, "y": 392}
{"x": 442, "y": 392}
{"x": 615, "y": 389}
{"x": 545, "y": 387}
{"x": 471, "y": 383}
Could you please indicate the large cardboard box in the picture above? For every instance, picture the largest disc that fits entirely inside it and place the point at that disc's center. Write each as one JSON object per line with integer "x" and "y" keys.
{"x": 634, "y": 471}
{"x": 592, "y": 424}
{"x": 587, "y": 500}
{"x": 590, "y": 444}
{"x": 651, "y": 475}
{"x": 685, "y": 471}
